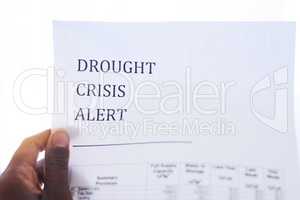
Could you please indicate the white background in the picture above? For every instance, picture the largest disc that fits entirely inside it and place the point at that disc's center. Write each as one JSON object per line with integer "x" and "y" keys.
{"x": 26, "y": 43}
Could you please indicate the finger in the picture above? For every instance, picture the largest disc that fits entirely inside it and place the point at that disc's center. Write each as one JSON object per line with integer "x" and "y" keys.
{"x": 30, "y": 148}
{"x": 56, "y": 166}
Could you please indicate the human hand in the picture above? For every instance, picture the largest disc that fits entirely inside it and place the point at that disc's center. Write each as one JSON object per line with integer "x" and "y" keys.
{"x": 25, "y": 179}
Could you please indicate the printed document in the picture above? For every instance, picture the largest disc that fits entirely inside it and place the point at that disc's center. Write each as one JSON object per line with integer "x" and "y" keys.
{"x": 177, "y": 110}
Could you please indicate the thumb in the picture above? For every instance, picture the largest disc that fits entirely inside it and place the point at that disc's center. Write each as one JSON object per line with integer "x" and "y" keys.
{"x": 56, "y": 166}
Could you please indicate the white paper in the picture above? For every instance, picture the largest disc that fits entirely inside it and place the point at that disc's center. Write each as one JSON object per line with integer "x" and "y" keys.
{"x": 208, "y": 116}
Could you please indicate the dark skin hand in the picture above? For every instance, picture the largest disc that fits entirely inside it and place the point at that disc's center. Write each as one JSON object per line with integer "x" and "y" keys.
{"x": 24, "y": 176}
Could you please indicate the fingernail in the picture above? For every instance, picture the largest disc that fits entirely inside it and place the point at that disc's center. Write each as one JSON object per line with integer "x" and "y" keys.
{"x": 60, "y": 138}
